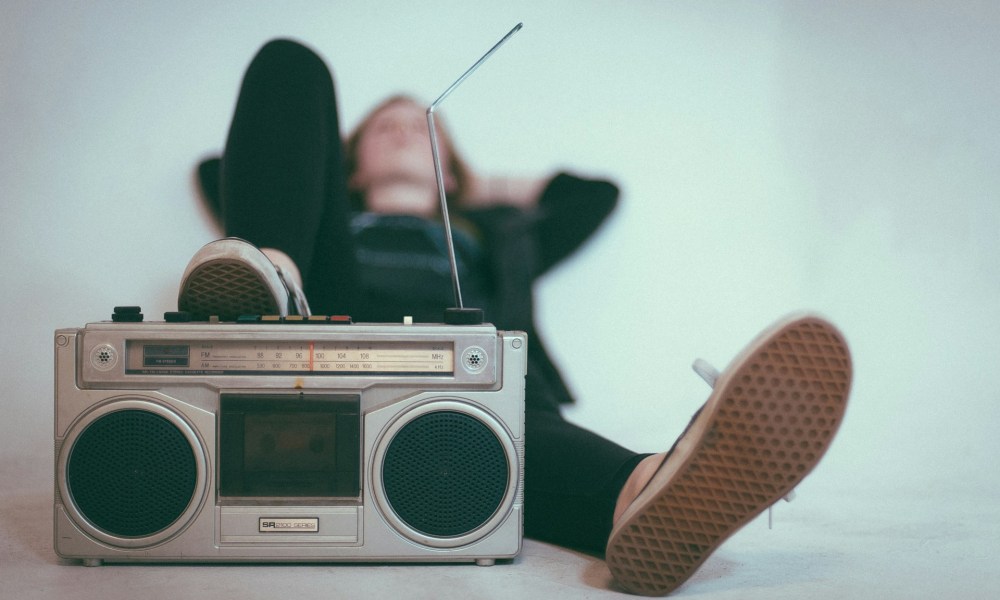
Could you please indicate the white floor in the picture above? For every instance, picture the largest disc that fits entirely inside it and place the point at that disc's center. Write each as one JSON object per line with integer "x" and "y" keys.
{"x": 941, "y": 542}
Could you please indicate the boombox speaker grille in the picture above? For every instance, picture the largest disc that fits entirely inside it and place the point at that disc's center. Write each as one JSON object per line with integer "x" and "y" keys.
{"x": 131, "y": 473}
{"x": 445, "y": 474}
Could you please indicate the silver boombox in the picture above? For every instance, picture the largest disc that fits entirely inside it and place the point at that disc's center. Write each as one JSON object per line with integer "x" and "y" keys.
{"x": 314, "y": 441}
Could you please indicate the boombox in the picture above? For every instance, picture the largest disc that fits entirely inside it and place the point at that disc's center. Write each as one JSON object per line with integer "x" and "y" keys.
{"x": 315, "y": 440}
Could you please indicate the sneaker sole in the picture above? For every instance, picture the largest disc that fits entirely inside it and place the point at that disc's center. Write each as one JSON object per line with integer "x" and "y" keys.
{"x": 229, "y": 279}
{"x": 771, "y": 416}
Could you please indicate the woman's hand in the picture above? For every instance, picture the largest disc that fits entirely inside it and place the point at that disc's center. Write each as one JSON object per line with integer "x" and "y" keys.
{"x": 522, "y": 192}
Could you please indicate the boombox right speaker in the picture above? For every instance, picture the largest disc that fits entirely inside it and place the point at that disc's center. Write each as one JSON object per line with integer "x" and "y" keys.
{"x": 446, "y": 471}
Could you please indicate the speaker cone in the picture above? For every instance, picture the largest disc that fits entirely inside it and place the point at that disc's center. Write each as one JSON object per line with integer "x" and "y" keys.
{"x": 132, "y": 473}
{"x": 446, "y": 473}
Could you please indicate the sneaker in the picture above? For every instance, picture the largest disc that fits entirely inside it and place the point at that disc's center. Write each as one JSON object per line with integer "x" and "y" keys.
{"x": 770, "y": 418}
{"x": 230, "y": 278}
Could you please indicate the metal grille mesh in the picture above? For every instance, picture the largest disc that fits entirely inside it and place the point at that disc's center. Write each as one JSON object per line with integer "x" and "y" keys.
{"x": 445, "y": 474}
{"x": 131, "y": 473}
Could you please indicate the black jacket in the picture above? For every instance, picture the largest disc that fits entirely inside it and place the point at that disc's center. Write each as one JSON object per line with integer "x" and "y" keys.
{"x": 524, "y": 245}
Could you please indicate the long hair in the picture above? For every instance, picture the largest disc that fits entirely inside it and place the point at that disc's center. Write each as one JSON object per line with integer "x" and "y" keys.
{"x": 455, "y": 165}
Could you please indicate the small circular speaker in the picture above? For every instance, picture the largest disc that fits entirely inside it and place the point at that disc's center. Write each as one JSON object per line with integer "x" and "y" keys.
{"x": 133, "y": 473}
{"x": 474, "y": 359}
{"x": 104, "y": 357}
{"x": 447, "y": 472}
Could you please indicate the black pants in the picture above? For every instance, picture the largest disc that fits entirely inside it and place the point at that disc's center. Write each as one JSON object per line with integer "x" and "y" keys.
{"x": 283, "y": 186}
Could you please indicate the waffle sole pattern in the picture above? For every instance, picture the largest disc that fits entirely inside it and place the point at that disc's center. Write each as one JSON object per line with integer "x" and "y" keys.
{"x": 227, "y": 289}
{"x": 771, "y": 417}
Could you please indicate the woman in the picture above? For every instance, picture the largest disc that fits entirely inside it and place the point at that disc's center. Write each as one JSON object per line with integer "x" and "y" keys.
{"x": 356, "y": 226}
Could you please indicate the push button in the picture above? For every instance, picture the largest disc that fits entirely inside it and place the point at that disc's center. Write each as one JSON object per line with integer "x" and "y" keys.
{"x": 127, "y": 314}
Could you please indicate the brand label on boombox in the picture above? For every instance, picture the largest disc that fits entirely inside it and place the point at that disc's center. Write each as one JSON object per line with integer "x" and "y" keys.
{"x": 280, "y": 442}
{"x": 270, "y": 525}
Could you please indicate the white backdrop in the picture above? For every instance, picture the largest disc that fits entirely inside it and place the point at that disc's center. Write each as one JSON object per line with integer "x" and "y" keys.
{"x": 774, "y": 156}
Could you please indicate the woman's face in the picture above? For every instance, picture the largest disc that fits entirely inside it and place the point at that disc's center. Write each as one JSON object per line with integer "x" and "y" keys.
{"x": 394, "y": 147}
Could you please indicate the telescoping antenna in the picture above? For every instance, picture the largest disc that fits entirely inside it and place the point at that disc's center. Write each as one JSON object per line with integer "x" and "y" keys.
{"x": 459, "y": 315}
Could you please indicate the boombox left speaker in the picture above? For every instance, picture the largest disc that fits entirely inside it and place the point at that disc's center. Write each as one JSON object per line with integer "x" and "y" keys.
{"x": 132, "y": 472}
